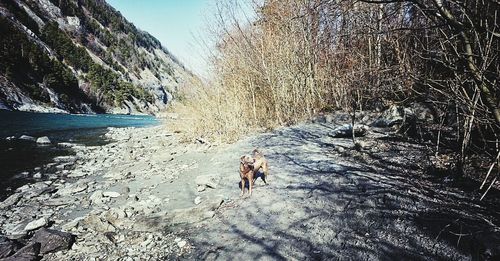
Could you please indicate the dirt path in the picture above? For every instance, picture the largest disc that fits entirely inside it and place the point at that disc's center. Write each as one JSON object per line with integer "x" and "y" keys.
{"x": 328, "y": 201}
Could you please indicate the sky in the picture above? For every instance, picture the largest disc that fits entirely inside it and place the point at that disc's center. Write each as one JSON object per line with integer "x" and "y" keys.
{"x": 178, "y": 24}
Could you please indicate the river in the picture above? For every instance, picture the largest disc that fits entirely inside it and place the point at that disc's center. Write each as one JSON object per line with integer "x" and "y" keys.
{"x": 20, "y": 159}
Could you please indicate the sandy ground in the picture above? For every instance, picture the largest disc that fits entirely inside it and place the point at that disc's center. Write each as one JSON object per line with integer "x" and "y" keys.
{"x": 147, "y": 196}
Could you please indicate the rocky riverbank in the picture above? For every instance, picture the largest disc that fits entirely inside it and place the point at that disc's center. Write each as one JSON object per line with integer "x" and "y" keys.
{"x": 147, "y": 196}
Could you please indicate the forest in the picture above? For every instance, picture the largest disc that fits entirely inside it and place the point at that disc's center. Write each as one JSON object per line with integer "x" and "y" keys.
{"x": 297, "y": 58}
{"x": 96, "y": 62}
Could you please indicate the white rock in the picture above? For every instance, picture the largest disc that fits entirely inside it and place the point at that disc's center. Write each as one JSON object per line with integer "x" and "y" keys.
{"x": 197, "y": 200}
{"x": 181, "y": 243}
{"x": 96, "y": 197}
{"x": 71, "y": 159}
{"x": 37, "y": 175}
{"x": 201, "y": 188}
{"x": 43, "y": 140}
{"x": 26, "y": 137}
{"x": 36, "y": 224}
{"x": 111, "y": 194}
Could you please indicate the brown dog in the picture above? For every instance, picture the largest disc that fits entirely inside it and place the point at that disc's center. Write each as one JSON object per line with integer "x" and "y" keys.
{"x": 246, "y": 172}
{"x": 260, "y": 162}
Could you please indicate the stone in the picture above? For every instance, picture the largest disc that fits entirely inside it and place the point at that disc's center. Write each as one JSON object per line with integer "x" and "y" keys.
{"x": 27, "y": 253}
{"x": 97, "y": 197}
{"x": 43, "y": 140}
{"x": 37, "y": 175}
{"x": 14, "y": 230}
{"x": 197, "y": 200}
{"x": 345, "y": 131}
{"x": 10, "y": 138}
{"x": 70, "y": 159}
{"x": 181, "y": 243}
{"x": 11, "y": 200}
{"x": 72, "y": 224}
{"x": 201, "y": 188}
{"x": 95, "y": 223}
{"x": 210, "y": 181}
{"x": 111, "y": 194}
{"x": 390, "y": 117}
{"x": 7, "y": 247}
{"x": 72, "y": 189}
{"x": 36, "y": 224}
{"x": 26, "y": 137}
{"x": 53, "y": 240}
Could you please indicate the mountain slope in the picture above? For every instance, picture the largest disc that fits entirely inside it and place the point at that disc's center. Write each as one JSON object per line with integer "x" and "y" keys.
{"x": 81, "y": 56}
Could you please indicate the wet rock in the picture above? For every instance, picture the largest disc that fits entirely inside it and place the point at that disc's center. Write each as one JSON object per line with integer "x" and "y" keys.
{"x": 53, "y": 240}
{"x": 27, "y": 138}
{"x": 210, "y": 181}
{"x": 7, "y": 247}
{"x": 27, "y": 253}
{"x": 43, "y": 140}
{"x": 36, "y": 224}
{"x": 345, "y": 131}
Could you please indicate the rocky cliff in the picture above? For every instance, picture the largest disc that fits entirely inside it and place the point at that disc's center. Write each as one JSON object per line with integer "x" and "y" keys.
{"x": 81, "y": 56}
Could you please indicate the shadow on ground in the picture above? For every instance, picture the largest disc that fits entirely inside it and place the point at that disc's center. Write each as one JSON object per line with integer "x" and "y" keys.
{"x": 375, "y": 204}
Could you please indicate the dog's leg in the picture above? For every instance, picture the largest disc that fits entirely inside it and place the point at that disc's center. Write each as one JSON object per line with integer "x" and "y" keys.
{"x": 266, "y": 172}
{"x": 250, "y": 183}
{"x": 242, "y": 187}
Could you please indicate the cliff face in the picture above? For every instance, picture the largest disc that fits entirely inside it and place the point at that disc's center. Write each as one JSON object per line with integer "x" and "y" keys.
{"x": 81, "y": 56}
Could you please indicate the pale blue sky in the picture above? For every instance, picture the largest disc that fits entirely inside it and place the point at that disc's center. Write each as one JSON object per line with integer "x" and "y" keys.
{"x": 173, "y": 22}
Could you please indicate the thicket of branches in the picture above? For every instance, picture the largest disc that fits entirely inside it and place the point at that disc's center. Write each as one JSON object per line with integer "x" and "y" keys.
{"x": 295, "y": 58}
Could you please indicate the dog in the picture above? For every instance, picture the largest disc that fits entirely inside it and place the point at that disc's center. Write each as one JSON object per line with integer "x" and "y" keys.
{"x": 260, "y": 162}
{"x": 246, "y": 172}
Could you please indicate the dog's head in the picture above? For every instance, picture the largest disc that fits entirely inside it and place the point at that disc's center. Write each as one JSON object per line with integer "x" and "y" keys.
{"x": 247, "y": 160}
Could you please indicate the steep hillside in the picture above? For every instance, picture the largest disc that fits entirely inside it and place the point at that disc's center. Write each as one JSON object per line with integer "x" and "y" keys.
{"x": 81, "y": 56}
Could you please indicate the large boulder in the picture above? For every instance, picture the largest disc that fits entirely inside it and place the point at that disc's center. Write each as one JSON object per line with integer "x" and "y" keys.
{"x": 53, "y": 240}
{"x": 397, "y": 115}
{"x": 43, "y": 140}
{"x": 390, "y": 117}
{"x": 345, "y": 131}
